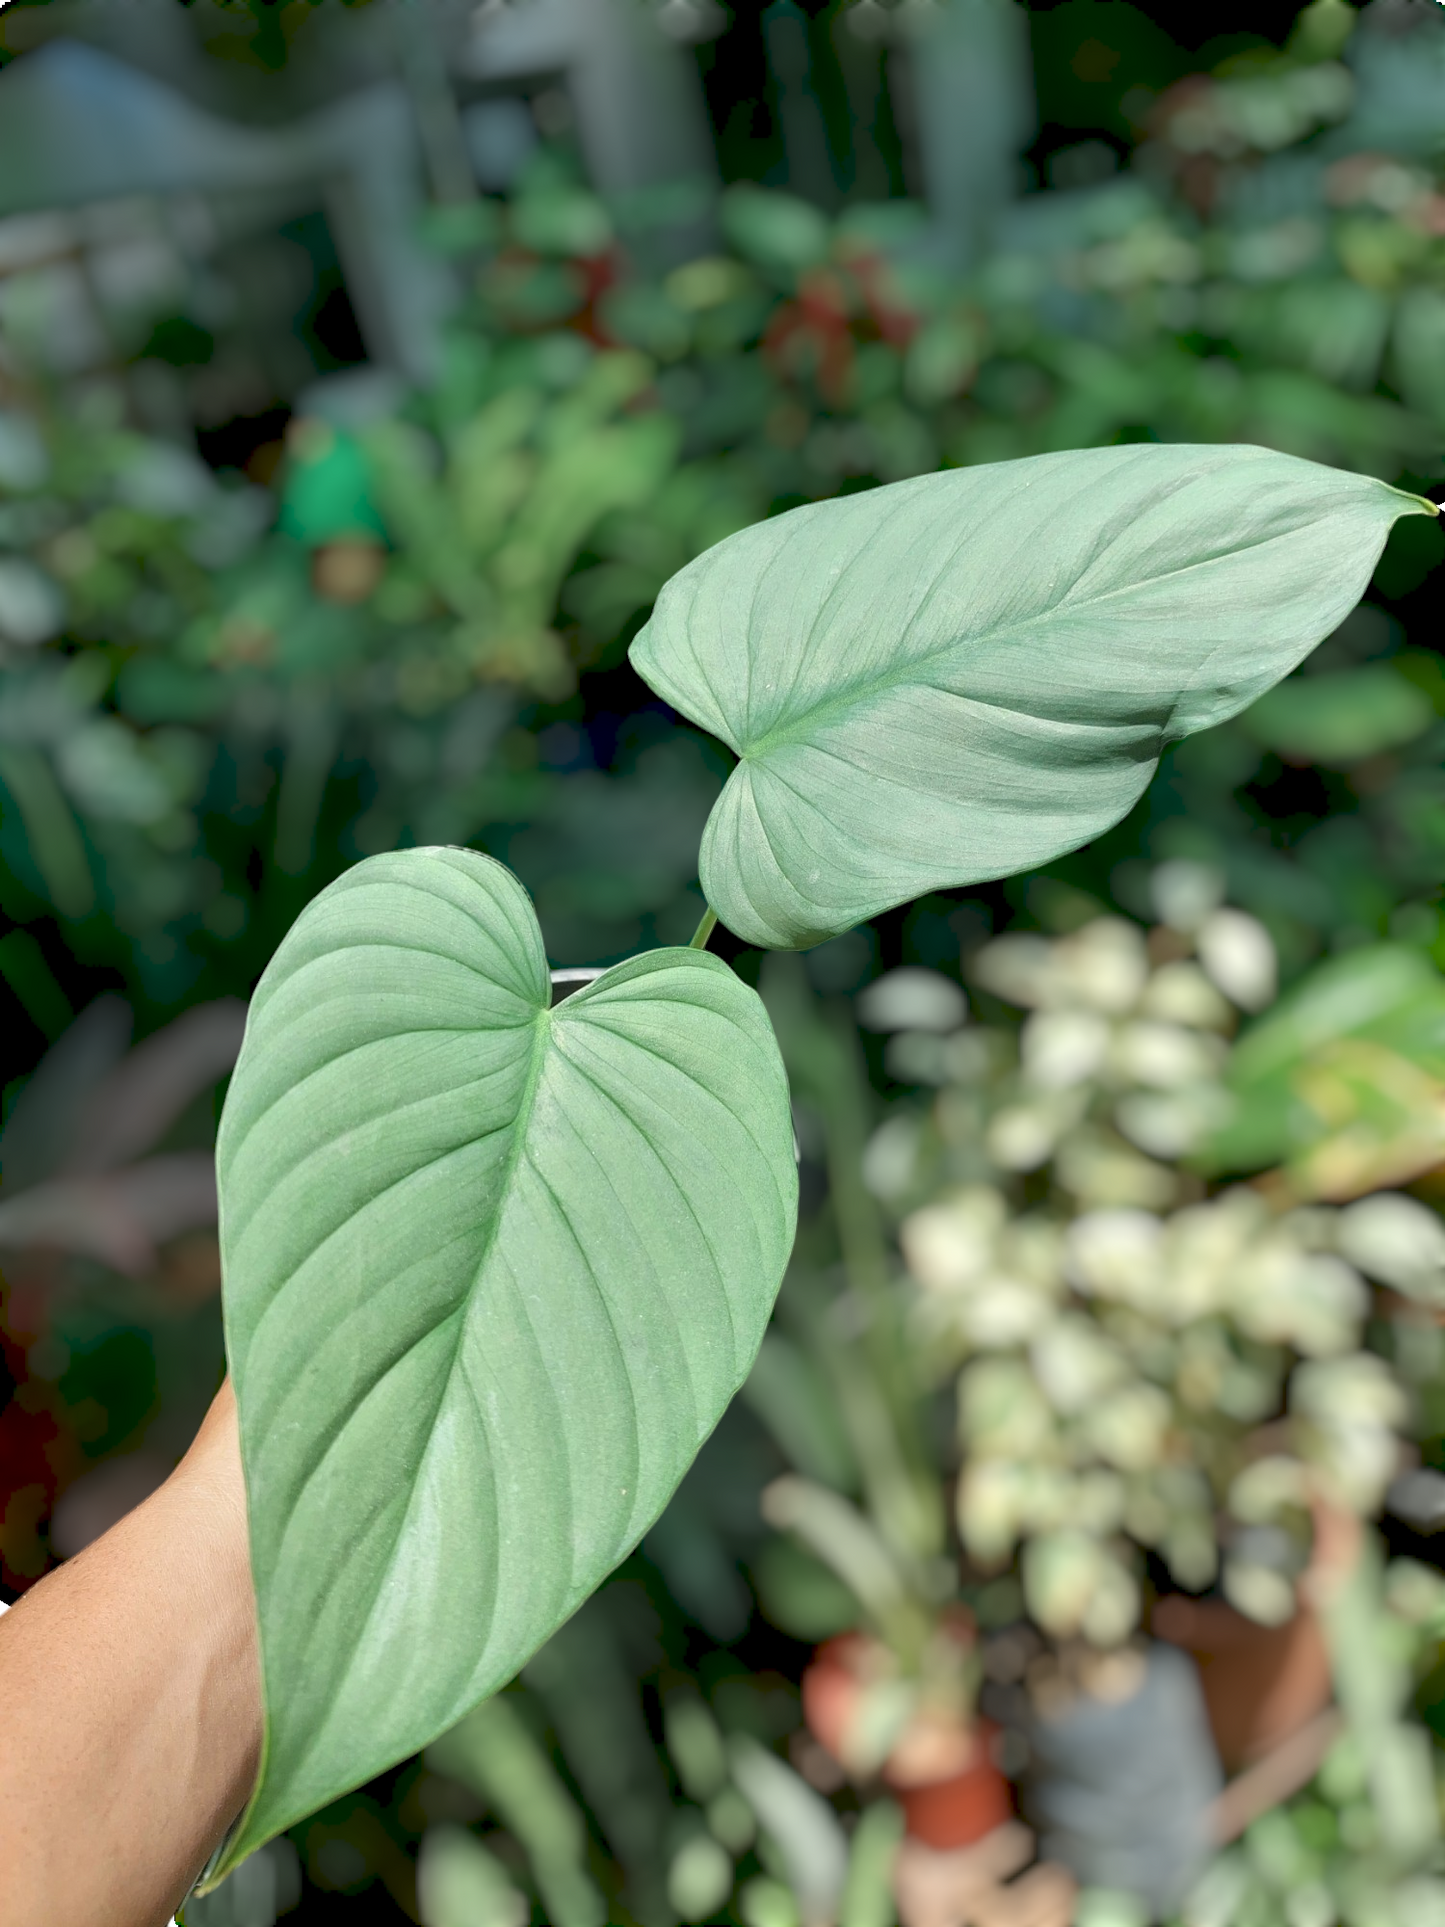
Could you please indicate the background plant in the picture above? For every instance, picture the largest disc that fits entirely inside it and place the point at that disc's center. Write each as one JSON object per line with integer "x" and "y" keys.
{"x": 492, "y": 1270}
{"x": 1090, "y": 331}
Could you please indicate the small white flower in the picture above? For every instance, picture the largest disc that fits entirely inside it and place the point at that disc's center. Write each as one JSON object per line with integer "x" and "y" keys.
{"x": 1104, "y": 966}
{"x": 1116, "y": 1254}
{"x": 1185, "y": 893}
{"x": 949, "y": 1246}
{"x": 1397, "y": 1240}
{"x": 1239, "y": 956}
{"x": 913, "y": 999}
{"x": 890, "y": 1159}
{"x": 1164, "y": 1056}
{"x": 1022, "y": 1136}
{"x": 1062, "y": 1048}
{"x": 1180, "y": 993}
{"x": 1075, "y": 1363}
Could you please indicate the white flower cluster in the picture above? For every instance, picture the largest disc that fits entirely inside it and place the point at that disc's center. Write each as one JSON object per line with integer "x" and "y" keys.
{"x": 1151, "y": 1041}
{"x": 1119, "y": 1066}
{"x": 1118, "y": 1371}
{"x": 1140, "y": 1365}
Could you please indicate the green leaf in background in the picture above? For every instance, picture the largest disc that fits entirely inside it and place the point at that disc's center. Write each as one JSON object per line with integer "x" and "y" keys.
{"x": 50, "y": 842}
{"x": 1342, "y": 717}
{"x": 868, "y": 1894}
{"x": 461, "y": 1884}
{"x": 1374, "y": 1015}
{"x": 494, "y": 1752}
{"x": 778, "y": 231}
{"x": 492, "y": 1272}
{"x": 964, "y": 675}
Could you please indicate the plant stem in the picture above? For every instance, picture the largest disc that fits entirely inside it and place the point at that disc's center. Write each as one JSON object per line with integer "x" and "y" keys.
{"x": 704, "y": 930}
{"x": 881, "y": 1401}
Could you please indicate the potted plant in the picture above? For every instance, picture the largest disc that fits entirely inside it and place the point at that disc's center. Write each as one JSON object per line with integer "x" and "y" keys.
{"x": 493, "y": 1269}
{"x": 1150, "y": 1369}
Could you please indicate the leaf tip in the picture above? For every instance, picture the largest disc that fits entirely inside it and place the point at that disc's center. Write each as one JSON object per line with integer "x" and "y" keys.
{"x": 1419, "y": 504}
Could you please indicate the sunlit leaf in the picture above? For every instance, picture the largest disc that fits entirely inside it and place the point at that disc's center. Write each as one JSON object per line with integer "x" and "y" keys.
{"x": 1353, "y": 1057}
{"x": 963, "y": 675}
{"x": 492, "y": 1272}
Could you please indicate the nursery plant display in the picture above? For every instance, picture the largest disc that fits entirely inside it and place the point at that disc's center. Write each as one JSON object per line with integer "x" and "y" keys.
{"x": 897, "y": 635}
{"x": 1361, "y": 1841}
{"x": 250, "y": 701}
{"x": 187, "y": 676}
{"x": 214, "y": 699}
{"x": 1081, "y": 1278}
{"x": 1127, "y": 1331}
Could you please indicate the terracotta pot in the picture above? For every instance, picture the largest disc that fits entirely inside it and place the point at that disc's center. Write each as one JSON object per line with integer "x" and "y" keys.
{"x": 1264, "y": 1684}
{"x": 1261, "y": 1683}
{"x": 959, "y": 1810}
{"x": 831, "y": 1688}
{"x": 941, "y": 1768}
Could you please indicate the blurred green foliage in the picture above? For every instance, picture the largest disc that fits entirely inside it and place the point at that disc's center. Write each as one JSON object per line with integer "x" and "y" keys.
{"x": 210, "y": 705}
{"x": 214, "y": 695}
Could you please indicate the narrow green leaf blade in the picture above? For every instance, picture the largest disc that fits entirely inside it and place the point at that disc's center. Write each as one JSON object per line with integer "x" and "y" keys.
{"x": 492, "y": 1272}
{"x": 961, "y": 676}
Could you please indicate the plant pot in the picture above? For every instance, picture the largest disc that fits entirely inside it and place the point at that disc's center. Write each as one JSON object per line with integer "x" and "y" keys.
{"x": 1261, "y": 1684}
{"x": 961, "y": 1809}
{"x": 1124, "y": 1779}
{"x": 1264, "y": 1684}
{"x": 832, "y": 1686}
{"x": 940, "y": 1767}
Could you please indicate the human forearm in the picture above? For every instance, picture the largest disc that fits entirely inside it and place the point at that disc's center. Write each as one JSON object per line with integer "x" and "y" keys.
{"x": 130, "y": 1709}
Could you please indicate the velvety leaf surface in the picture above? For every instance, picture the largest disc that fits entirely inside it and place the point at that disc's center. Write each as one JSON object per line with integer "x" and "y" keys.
{"x": 492, "y": 1272}
{"x": 963, "y": 675}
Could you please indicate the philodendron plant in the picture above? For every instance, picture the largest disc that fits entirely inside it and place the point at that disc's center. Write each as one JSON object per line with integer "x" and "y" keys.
{"x": 495, "y": 1266}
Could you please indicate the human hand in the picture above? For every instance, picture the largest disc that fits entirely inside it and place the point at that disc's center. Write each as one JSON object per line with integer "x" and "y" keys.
{"x": 131, "y": 1682}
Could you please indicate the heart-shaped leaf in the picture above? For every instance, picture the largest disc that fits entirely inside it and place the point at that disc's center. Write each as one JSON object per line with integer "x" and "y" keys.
{"x": 963, "y": 675}
{"x": 492, "y": 1272}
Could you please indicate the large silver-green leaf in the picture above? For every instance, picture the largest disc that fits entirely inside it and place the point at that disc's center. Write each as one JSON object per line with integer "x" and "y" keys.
{"x": 492, "y": 1272}
{"x": 963, "y": 675}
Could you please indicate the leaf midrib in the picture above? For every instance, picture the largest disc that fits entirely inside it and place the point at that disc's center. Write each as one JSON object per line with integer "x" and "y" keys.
{"x": 914, "y": 671}
{"x": 542, "y": 1029}
{"x": 542, "y": 1034}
